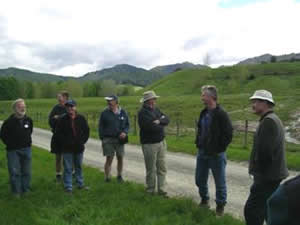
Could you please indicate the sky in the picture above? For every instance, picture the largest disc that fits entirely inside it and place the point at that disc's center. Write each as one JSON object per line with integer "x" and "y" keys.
{"x": 71, "y": 38}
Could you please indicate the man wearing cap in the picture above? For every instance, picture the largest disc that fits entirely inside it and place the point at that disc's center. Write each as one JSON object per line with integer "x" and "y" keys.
{"x": 16, "y": 135}
{"x": 113, "y": 132}
{"x": 56, "y": 113}
{"x": 152, "y": 137}
{"x": 267, "y": 162}
{"x": 71, "y": 133}
{"x": 213, "y": 136}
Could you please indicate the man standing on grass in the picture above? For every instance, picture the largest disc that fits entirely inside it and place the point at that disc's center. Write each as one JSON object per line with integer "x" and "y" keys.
{"x": 113, "y": 132}
{"x": 56, "y": 113}
{"x": 213, "y": 137}
{"x": 267, "y": 161}
{"x": 152, "y": 137}
{"x": 16, "y": 134}
{"x": 72, "y": 132}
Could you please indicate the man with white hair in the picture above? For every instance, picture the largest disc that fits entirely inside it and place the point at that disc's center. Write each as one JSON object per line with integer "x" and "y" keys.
{"x": 16, "y": 134}
{"x": 267, "y": 161}
{"x": 213, "y": 137}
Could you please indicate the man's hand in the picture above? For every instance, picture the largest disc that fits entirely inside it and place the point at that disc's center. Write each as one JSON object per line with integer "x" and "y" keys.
{"x": 156, "y": 122}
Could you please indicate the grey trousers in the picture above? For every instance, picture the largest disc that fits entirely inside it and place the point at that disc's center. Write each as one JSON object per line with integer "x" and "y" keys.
{"x": 154, "y": 155}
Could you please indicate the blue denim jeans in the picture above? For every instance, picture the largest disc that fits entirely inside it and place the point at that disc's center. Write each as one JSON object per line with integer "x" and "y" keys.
{"x": 217, "y": 164}
{"x": 277, "y": 208}
{"x": 70, "y": 159}
{"x": 19, "y": 168}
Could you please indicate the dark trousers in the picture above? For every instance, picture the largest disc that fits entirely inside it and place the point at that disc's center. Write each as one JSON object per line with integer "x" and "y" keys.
{"x": 255, "y": 210}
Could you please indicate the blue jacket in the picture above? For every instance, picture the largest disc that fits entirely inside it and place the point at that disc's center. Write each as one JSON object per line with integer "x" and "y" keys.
{"x": 111, "y": 124}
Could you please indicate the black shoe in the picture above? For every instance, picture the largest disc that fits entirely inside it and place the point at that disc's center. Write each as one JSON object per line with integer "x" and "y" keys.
{"x": 163, "y": 194}
{"x": 58, "y": 178}
{"x": 107, "y": 180}
{"x": 120, "y": 179}
{"x": 204, "y": 204}
{"x": 220, "y": 210}
{"x": 68, "y": 191}
{"x": 83, "y": 187}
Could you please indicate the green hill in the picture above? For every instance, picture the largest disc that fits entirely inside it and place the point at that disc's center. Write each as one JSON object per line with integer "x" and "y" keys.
{"x": 28, "y": 75}
{"x": 279, "y": 78}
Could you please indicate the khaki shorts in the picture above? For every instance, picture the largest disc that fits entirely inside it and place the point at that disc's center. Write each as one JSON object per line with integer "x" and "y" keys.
{"x": 111, "y": 147}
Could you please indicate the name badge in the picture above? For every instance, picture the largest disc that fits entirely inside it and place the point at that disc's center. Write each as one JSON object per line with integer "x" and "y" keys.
{"x": 26, "y": 125}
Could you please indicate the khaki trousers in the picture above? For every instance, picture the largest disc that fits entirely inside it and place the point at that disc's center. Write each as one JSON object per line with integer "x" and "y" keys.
{"x": 154, "y": 155}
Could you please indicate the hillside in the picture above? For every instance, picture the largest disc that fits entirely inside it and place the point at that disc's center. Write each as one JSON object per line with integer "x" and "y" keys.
{"x": 125, "y": 74}
{"x": 279, "y": 78}
{"x": 167, "y": 69}
{"x": 28, "y": 75}
{"x": 268, "y": 57}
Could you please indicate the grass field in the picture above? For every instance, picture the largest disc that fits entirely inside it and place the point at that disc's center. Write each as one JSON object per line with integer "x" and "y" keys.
{"x": 105, "y": 203}
{"x": 183, "y": 111}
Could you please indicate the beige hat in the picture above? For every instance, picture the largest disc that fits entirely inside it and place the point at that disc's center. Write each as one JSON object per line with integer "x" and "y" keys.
{"x": 263, "y": 95}
{"x": 148, "y": 95}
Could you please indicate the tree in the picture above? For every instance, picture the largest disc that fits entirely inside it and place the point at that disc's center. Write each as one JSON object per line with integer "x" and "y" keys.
{"x": 273, "y": 59}
{"x": 10, "y": 88}
{"x": 108, "y": 87}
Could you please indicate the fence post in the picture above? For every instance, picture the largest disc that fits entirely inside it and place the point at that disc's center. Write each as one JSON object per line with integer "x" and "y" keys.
{"x": 196, "y": 127}
{"x": 177, "y": 128}
{"x": 246, "y": 134}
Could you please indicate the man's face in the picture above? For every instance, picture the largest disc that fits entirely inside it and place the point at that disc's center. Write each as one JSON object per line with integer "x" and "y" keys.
{"x": 112, "y": 104}
{"x": 71, "y": 109}
{"x": 151, "y": 102}
{"x": 206, "y": 99}
{"x": 258, "y": 106}
{"x": 61, "y": 100}
{"x": 21, "y": 108}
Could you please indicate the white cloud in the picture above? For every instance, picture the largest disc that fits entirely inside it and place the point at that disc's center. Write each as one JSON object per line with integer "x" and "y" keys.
{"x": 75, "y": 37}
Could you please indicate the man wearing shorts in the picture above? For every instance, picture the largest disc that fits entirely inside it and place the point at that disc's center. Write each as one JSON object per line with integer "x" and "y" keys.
{"x": 113, "y": 132}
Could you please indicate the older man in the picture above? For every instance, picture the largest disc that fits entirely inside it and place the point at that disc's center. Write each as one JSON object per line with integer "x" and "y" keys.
{"x": 113, "y": 132}
{"x": 16, "y": 134}
{"x": 72, "y": 132}
{"x": 152, "y": 137}
{"x": 267, "y": 161}
{"x": 213, "y": 137}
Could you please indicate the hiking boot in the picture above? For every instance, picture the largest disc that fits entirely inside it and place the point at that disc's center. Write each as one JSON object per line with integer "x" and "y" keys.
{"x": 204, "y": 204}
{"x": 163, "y": 194}
{"x": 220, "y": 210}
{"x": 68, "y": 191}
{"x": 83, "y": 187}
{"x": 107, "y": 180}
{"x": 120, "y": 179}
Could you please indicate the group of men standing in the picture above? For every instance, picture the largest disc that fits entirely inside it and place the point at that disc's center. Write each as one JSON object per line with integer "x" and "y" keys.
{"x": 71, "y": 131}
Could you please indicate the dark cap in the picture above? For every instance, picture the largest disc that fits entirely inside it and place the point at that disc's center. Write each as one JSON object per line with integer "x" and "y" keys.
{"x": 70, "y": 103}
{"x": 111, "y": 98}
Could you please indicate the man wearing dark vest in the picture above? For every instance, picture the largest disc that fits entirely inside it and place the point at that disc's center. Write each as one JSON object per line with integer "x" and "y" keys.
{"x": 267, "y": 161}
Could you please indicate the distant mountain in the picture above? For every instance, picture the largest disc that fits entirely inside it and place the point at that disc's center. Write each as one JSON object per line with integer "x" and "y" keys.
{"x": 28, "y": 75}
{"x": 268, "y": 57}
{"x": 167, "y": 69}
{"x": 123, "y": 73}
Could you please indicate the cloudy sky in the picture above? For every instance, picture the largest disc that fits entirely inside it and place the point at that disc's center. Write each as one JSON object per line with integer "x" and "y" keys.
{"x": 70, "y": 37}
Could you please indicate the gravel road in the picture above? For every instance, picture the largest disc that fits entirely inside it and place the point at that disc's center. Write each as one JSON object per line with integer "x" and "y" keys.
{"x": 180, "y": 176}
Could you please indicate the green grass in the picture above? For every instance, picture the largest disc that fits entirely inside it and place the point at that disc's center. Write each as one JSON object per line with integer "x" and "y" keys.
{"x": 104, "y": 203}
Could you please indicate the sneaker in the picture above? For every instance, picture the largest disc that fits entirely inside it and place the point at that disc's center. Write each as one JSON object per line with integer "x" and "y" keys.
{"x": 220, "y": 210}
{"x": 58, "y": 178}
{"x": 204, "y": 204}
{"x": 120, "y": 179}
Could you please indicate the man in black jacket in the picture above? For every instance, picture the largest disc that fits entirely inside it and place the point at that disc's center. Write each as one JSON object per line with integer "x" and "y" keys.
{"x": 267, "y": 162}
{"x": 71, "y": 133}
{"x": 16, "y": 134}
{"x": 56, "y": 113}
{"x": 113, "y": 132}
{"x": 213, "y": 137}
{"x": 152, "y": 137}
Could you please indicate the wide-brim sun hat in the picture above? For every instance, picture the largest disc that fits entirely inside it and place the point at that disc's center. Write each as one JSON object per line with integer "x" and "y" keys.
{"x": 263, "y": 95}
{"x": 148, "y": 95}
